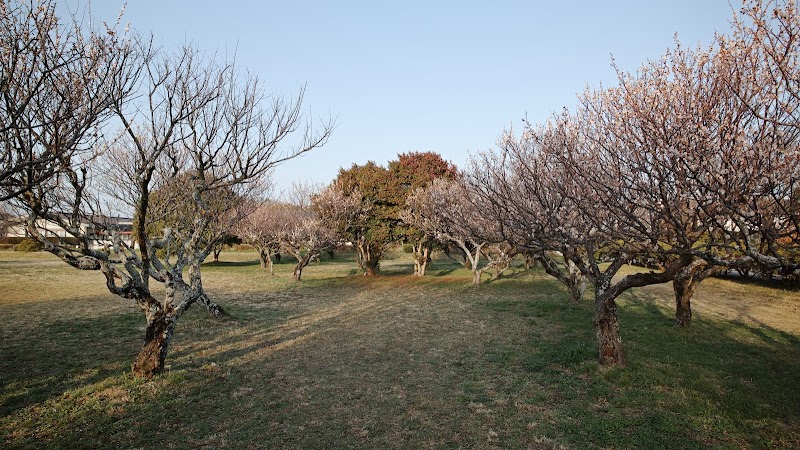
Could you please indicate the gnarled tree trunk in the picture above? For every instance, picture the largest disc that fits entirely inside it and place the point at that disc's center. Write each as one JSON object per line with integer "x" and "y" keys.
{"x": 576, "y": 282}
{"x": 573, "y": 280}
{"x": 302, "y": 262}
{"x": 685, "y": 284}
{"x": 606, "y": 327}
{"x": 150, "y": 360}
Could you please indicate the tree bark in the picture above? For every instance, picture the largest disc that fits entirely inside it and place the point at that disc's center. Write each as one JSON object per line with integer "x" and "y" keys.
{"x": 573, "y": 280}
{"x": 266, "y": 260}
{"x": 302, "y": 262}
{"x": 609, "y": 339}
{"x": 685, "y": 284}
{"x": 150, "y": 360}
{"x": 684, "y": 287}
{"x": 606, "y": 327}
{"x": 476, "y": 277}
{"x": 371, "y": 270}
{"x": 217, "y": 251}
{"x": 421, "y": 257}
{"x": 369, "y": 256}
{"x": 576, "y": 282}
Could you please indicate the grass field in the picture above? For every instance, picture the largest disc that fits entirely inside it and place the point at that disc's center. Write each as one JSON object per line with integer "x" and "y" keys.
{"x": 345, "y": 361}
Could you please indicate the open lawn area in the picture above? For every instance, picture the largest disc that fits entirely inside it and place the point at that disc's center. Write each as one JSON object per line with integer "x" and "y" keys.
{"x": 340, "y": 360}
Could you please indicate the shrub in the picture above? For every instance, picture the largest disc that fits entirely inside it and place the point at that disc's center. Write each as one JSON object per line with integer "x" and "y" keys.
{"x": 28, "y": 245}
{"x": 408, "y": 248}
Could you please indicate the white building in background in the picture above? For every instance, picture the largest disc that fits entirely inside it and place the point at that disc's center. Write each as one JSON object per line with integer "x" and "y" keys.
{"x": 98, "y": 228}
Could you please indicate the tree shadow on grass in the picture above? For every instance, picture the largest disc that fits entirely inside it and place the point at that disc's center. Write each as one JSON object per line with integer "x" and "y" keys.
{"x": 715, "y": 383}
{"x": 71, "y": 355}
{"x": 758, "y": 280}
{"x": 267, "y": 382}
{"x": 250, "y": 263}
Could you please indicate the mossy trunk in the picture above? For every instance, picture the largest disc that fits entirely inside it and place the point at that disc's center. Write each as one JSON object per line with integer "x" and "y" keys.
{"x": 606, "y": 327}
{"x": 150, "y": 360}
{"x": 684, "y": 288}
{"x": 685, "y": 284}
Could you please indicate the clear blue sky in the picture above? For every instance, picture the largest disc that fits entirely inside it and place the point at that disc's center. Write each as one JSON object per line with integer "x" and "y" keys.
{"x": 424, "y": 75}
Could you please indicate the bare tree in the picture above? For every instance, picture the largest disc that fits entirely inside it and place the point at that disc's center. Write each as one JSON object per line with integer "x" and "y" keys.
{"x": 755, "y": 184}
{"x": 288, "y": 227}
{"x": 524, "y": 188}
{"x": 260, "y": 228}
{"x": 555, "y": 184}
{"x": 57, "y": 85}
{"x": 447, "y": 209}
{"x": 200, "y": 127}
{"x": 305, "y": 237}
{"x": 672, "y": 165}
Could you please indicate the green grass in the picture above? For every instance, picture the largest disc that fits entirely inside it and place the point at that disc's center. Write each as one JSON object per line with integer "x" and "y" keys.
{"x": 345, "y": 361}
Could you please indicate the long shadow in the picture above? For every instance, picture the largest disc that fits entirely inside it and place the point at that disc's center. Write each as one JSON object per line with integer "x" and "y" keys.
{"x": 232, "y": 263}
{"x": 732, "y": 372}
{"x": 515, "y": 274}
{"x": 737, "y": 370}
{"x": 75, "y": 358}
{"x": 757, "y": 280}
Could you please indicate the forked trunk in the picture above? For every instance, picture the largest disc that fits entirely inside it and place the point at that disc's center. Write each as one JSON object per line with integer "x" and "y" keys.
{"x": 266, "y": 261}
{"x": 467, "y": 264}
{"x": 302, "y": 262}
{"x": 685, "y": 284}
{"x": 150, "y": 360}
{"x": 476, "y": 276}
{"x": 369, "y": 256}
{"x": 576, "y": 282}
{"x": 572, "y": 279}
{"x": 421, "y": 255}
{"x": 606, "y": 327}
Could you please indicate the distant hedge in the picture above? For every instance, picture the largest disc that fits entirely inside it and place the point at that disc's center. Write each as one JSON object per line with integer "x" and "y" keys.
{"x": 28, "y": 245}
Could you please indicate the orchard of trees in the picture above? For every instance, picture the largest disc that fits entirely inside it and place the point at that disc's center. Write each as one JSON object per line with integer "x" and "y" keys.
{"x": 690, "y": 164}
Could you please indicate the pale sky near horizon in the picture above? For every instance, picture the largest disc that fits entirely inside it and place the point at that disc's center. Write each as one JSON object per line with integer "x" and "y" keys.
{"x": 443, "y": 76}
